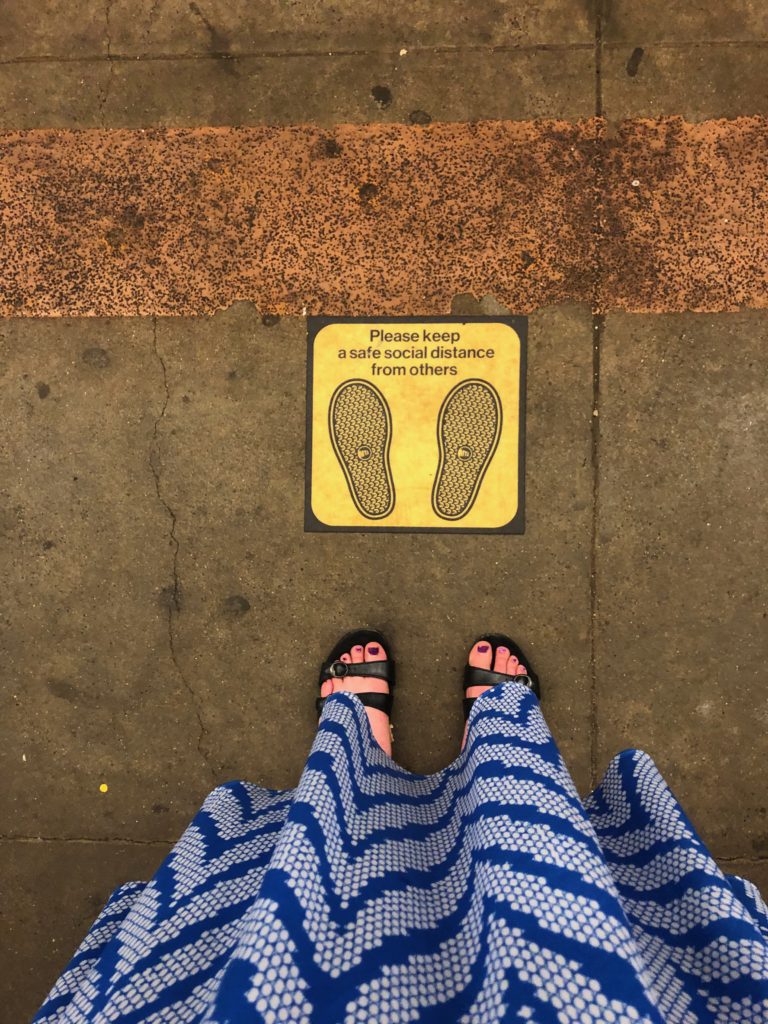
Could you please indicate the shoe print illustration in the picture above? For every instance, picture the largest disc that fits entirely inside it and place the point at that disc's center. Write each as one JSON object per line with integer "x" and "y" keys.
{"x": 360, "y": 425}
{"x": 468, "y": 432}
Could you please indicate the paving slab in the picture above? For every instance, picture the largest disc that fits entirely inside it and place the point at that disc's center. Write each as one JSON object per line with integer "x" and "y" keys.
{"x": 681, "y": 640}
{"x": 696, "y": 81}
{"x": 92, "y": 693}
{"x": 63, "y": 28}
{"x": 688, "y": 21}
{"x": 58, "y": 889}
{"x": 422, "y": 87}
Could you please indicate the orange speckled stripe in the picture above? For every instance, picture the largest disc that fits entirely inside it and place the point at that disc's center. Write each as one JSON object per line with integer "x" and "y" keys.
{"x": 387, "y": 219}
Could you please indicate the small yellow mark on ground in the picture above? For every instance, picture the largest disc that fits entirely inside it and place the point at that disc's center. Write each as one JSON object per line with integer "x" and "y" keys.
{"x": 103, "y": 788}
{"x": 416, "y": 424}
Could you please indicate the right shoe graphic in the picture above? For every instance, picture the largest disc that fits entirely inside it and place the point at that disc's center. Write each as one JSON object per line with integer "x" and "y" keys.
{"x": 360, "y": 425}
{"x": 468, "y": 432}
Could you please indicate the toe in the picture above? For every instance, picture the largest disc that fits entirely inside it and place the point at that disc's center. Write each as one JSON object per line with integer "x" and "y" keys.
{"x": 500, "y": 661}
{"x": 481, "y": 655}
{"x": 357, "y": 654}
{"x": 346, "y": 658}
{"x": 375, "y": 652}
{"x": 522, "y": 670}
{"x": 513, "y": 665}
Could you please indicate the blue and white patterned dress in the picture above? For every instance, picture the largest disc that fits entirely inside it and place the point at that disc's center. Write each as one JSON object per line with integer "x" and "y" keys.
{"x": 487, "y": 892}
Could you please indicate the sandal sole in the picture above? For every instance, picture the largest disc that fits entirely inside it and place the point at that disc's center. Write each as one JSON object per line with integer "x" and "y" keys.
{"x": 360, "y": 425}
{"x": 468, "y": 432}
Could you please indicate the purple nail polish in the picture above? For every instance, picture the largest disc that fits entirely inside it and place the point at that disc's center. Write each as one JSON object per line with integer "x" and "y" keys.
{"x": 373, "y": 650}
{"x": 502, "y": 649}
{"x": 482, "y": 648}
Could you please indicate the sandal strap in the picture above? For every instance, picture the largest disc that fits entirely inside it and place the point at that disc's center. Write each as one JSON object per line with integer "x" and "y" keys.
{"x": 384, "y": 670}
{"x": 483, "y": 676}
{"x": 378, "y": 701}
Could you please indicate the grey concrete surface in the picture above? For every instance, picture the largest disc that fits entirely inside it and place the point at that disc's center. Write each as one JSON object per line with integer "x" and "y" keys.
{"x": 64, "y": 28}
{"x": 681, "y": 641}
{"x": 422, "y": 86}
{"x": 164, "y": 611}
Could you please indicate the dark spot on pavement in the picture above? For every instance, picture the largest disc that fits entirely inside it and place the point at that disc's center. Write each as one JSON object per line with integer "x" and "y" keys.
{"x": 235, "y": 606}
{"x": 382, "y": 95}
{"x": 115, "y": 238}
{"x": 170, "y": 598}
{"x": 232, "y": 375}
{"x": 42, "y": 389}
{"x": 420, "y": 117}
{"x": 633, "y": 63}
{"x": 326, "y": 149}
{"x": 132, "y": 218}
{"x": 527, "y": 260}
{"x": 185, "y": 399}
{"x": 368, "y": 192}
{"x": 160, "y": 809}
{"x": 48, "y": 544}
{"x": 270, "y": 319}
{"x": 64, "y": 690}
{"x": 220, "y": 43}
{"x": 96, "y": 357}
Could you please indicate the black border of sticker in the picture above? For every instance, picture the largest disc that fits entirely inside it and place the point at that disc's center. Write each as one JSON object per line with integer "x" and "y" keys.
{"x": 316, "y": 323}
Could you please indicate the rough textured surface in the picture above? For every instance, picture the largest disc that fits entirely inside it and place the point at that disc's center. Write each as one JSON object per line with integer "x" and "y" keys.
{"x": 682, "y": 543}
{"x": 296, "y": 218}
{"x": 684, "y": 216}
{"x": 395, "y": 218}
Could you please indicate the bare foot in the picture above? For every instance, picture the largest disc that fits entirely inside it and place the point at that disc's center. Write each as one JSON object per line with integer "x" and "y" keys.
{"x": 481, "y": 656}
{"x": 382, "y": 731}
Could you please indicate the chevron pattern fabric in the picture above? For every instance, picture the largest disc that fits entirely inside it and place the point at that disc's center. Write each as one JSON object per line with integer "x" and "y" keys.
{"x": 486, "y": 892}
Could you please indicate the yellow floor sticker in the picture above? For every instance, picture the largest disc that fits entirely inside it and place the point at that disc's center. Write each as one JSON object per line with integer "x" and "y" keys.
{"x": 416, "y": 424}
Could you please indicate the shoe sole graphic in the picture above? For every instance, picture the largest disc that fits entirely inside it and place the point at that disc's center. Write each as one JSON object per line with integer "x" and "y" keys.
{"x": 360, "y": 425}
{"x": 468, "y": 432}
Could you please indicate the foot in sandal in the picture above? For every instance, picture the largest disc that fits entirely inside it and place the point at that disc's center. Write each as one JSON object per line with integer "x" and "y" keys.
{"x": 494, "y": 659}
{"x": 359, "y": 664}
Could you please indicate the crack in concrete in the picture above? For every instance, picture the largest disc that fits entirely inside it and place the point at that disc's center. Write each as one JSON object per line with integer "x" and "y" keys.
{"x": 105, "y": 92}
{"x": 150, "y": 20}
{"x": 598, "y": 323}
{"x": 174, "y": 602}
{"x": 325, "y": 54}
{"x": 88, "y": 839}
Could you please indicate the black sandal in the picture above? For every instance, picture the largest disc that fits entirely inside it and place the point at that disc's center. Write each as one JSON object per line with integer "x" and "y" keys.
{"x": 335, "y": 668}
{"x": 487, "y": 677}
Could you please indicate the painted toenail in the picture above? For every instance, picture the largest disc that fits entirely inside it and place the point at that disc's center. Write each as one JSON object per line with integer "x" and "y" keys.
{"x": 482, "y": 648}
{"x": 373, "y": 650}
{"x": 502, "y": 649}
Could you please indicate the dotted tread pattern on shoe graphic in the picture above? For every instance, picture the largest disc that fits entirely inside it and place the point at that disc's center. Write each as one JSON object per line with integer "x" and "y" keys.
{"x": 361, "y": 431}
{"x": 468, "y": 432}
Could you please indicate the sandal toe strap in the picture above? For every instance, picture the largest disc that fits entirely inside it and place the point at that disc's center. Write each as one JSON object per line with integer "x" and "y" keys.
{"x": 384, "y": 670}
{"x": 483, "y": 677}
